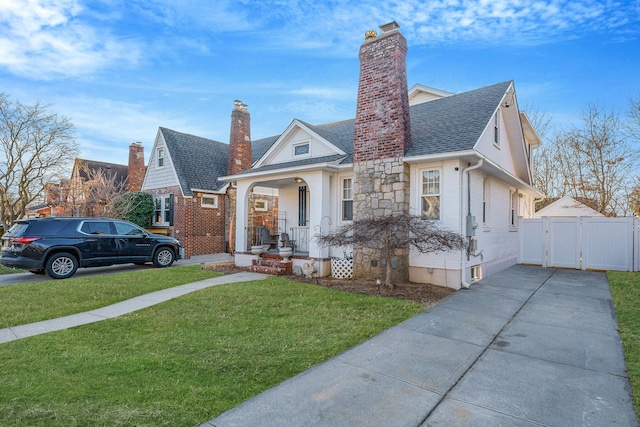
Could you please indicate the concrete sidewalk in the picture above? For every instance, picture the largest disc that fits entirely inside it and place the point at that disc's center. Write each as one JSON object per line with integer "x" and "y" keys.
{"x": 120, "y": 308}
{"x": 525, "y": 347}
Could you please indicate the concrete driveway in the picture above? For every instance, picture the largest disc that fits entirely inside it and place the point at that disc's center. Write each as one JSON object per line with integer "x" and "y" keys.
{"x": 525, "y": 347}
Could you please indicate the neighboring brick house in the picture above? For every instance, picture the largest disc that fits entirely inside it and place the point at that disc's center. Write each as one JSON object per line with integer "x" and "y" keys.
{"x": 192, "y": 204}
{"x": 463, "y": 160}
{"x": 72, "y": 196}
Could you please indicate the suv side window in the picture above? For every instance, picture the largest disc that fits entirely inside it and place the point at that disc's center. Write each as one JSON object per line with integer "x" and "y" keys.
{"x": 123, "y": 228}
{"x": 97, "y": 227}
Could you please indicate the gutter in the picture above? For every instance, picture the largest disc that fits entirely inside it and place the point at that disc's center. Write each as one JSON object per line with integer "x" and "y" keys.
{"x": 467, "y": 170}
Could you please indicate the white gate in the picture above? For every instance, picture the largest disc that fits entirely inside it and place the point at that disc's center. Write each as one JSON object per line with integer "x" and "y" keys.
{"x": 581, "y": 243}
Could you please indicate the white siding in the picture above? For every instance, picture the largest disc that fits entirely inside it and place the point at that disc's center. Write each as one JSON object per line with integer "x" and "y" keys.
{"x": 160, "y": 177}
{"x": 499, "y": 154}
{"x": 445, "y": 265}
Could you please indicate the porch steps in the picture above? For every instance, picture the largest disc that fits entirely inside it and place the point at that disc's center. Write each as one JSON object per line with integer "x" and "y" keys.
{"x": 270, "y": 264}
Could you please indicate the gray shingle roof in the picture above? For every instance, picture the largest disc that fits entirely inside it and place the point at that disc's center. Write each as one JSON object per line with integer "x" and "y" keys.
{"x": 110, "y": 170}
{"x": 198, "y": 162}
{"x": 260, "y": 146}
{"x": 454, "y": 123}
{"x": 445, "y": 125}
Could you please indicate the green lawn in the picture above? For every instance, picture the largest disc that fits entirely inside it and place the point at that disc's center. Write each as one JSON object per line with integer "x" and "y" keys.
{"x": 187, "y": 360}
{"x": 625, "y": 289}
{"x": 9, "y": 270}
{"x": 32, "y": 302}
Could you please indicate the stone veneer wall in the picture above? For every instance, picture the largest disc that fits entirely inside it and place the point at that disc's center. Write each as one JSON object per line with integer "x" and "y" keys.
{"x": 381, "y": 188}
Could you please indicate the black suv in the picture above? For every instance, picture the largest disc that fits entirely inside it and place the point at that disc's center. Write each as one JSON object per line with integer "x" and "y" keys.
{"x": 58, "y": 246}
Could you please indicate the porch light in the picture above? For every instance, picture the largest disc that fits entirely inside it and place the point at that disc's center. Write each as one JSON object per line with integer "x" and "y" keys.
{"x": 298, "y": 180}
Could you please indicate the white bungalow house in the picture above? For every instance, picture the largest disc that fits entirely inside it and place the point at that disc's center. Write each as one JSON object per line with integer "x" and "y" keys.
{"x": 462, "y": 159}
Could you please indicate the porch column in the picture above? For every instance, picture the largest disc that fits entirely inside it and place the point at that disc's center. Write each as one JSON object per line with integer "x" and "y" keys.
{"x": 319, "y": 211}
{"x": 243, "y": 189}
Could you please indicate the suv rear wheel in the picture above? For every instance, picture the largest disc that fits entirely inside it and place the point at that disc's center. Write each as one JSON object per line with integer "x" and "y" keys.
{"x": 164, "y": 257}
{"x": 61, "y": 265}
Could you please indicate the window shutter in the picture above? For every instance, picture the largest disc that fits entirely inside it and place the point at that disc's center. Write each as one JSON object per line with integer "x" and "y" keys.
{"x": 171, "y": 209}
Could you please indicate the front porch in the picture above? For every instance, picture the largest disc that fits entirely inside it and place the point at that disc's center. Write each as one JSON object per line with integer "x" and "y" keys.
{"x": 293, "y": 220}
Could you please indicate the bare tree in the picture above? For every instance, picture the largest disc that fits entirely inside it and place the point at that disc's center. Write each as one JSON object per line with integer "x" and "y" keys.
{"x": 593, "y": 163}
{"x": 633, "y": 116}
{"x": 92, "y": 191}
{"x": 392, "y": 233}
{"x": 35, "y": 145}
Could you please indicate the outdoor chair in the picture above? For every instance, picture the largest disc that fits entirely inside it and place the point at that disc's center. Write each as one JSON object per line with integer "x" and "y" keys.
{"x": 265, "y": 237}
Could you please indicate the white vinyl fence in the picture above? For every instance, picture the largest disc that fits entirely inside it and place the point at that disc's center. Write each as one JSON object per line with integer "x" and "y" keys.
{"x": 581, "y": 243}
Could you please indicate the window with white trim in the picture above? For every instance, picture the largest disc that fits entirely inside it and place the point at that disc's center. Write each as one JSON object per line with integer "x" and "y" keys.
{"x": 513, "y": 209}
{"x": 160, "y": 162}
{"x": 209, "y": 201}
{"x": 301, "y": 149}
{"x": 496, "y": 129}
{"x": 163, "y": 210}
{"x": 485, "y": 201}
{"x": 347, "y": 199}
{"x": 261, "y": 205}
{"x": 431, "y": 194}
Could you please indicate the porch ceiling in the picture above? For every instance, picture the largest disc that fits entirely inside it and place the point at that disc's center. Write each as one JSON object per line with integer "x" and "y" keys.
{"x": 276, "y": 183}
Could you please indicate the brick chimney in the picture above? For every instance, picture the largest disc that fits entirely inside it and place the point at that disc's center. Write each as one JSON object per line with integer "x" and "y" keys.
{"x": 382, "y": 136}
{"x": 239, "y": 140}
{"x": 382, "y": 126}
{"x": 137, "y": 170}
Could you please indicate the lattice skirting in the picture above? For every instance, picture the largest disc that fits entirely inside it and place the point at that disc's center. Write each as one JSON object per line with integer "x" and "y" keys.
{"x": 341, "y": 268}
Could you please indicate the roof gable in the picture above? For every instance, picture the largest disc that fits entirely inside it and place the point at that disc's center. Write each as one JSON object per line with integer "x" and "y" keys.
{"x": 567, "y": 206}
{"x": 420, "y": 93}
{"x": 197, "y": 162}
{"x": 304, "y": 142}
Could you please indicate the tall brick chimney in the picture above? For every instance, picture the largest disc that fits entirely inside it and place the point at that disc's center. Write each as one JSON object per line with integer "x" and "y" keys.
{"x": 382, "y": 126}
{"x": 239, "y": 140}
{"x": 382, "y": 136}
{"x": 239, "y": 160}
{"x": 137, "y": 170}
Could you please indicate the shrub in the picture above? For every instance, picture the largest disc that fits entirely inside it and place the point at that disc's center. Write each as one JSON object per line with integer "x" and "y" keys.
{"x": 136, "y": 207}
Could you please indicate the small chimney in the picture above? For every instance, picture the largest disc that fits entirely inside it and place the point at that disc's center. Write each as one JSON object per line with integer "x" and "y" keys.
{"x": 382, "y": 126}
{"x": 137, "y": 170}
{"x": 239, "y": 140}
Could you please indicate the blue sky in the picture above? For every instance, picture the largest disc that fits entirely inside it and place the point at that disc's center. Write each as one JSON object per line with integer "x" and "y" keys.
{"x": 119, "y": 69}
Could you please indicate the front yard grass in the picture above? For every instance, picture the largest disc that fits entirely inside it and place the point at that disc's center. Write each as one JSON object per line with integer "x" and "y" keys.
{"x": 9, "y": 270}
{"x": 188, "y": 360}
{"x": 625, "y": 289}
{"x": 32, "y": 302}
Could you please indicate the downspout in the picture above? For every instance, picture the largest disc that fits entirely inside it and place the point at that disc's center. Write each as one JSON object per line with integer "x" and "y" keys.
{"x": 467, "y": 170}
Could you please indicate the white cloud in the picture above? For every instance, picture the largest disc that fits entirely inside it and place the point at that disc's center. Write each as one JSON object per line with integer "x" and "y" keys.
{"x": 47, "y": 38}
{"x": 336, "y": 24}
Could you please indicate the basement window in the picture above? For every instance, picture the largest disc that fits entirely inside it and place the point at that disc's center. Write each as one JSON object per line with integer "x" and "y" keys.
{"x": 476, "y": 273}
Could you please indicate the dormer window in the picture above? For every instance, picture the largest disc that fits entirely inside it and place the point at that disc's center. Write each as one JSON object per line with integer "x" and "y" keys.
{"x": 301, "y": 149}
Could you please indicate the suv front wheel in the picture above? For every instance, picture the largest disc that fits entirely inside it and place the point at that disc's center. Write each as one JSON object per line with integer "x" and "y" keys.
{"x": 61, "y": 266}
{"x": 164, "y": 257}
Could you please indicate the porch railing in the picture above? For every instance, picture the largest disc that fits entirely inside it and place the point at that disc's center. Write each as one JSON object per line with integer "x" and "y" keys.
{"x": 301, "y": 236}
